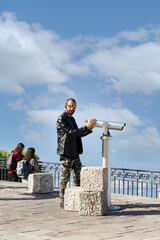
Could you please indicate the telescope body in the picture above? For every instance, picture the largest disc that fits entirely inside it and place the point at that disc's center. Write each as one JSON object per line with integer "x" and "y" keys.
{"x": 109, "y": 125}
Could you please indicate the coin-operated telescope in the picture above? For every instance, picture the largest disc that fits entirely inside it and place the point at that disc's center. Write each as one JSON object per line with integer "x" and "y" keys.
{"x": 106, "y": 137}
{"x": 109, "y": 125}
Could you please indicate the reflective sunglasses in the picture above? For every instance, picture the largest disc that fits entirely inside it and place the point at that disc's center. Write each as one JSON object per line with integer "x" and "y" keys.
{"x": 70, "y": 106}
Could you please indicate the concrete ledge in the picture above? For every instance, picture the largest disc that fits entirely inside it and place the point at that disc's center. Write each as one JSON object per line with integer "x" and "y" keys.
{"x": 40, "y": 183}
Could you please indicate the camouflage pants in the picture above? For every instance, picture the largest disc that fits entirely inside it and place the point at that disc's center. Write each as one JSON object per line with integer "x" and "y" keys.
{"x": 69, "y": 165}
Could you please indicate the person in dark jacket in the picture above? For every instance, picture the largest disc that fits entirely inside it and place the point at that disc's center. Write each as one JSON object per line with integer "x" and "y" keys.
{"x": 17, "y": 156}
{"x": 70, "y": 145}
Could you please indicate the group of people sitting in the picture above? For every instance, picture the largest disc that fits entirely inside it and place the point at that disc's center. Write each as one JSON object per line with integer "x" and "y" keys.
{"x": 18, "y": 156}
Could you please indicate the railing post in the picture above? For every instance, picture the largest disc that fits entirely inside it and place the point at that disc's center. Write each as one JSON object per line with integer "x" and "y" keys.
{"x": 156, "y": 190}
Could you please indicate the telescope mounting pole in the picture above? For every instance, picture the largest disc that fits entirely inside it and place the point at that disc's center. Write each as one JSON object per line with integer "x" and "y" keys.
{"x": 106, "y": 137}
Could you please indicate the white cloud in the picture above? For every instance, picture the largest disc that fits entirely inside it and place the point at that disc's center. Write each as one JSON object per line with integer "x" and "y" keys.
{"x": 41, "y": 101}
{"x": 17, "y": 105}
{"x": 139, "y": 35}
{"x": 109, "y": 114}
{"x": 33, "y": 55}
{"x": 62, "y": 89}
{"x": 128, "y": 69}
{"x": 142, "y": 144}
{"x": 12, "y": 88}
{"x": 45, "y": 117}
{"x": 29, "y": 55}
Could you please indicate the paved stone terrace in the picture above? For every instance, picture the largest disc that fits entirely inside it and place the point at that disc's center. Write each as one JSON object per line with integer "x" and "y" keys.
{"x": 27, "y": 216}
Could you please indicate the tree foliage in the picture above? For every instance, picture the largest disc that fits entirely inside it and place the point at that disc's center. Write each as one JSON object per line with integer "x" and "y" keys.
{"x": 4, "y": 154}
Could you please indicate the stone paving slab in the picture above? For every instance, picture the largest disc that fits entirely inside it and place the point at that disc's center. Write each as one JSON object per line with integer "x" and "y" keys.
{"x": 38, "y": 216}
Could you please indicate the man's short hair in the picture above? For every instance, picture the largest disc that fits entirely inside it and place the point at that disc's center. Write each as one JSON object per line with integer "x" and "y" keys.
{"x": 72, "y": 99}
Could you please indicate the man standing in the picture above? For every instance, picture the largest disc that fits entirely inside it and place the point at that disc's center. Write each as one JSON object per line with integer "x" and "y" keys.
{"x": 70, "y": 145}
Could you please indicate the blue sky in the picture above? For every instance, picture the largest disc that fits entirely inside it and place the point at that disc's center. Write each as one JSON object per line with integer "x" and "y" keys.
{"x": 104, "y": 53}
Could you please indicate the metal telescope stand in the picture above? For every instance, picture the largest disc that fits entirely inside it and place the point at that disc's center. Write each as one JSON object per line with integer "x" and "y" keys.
{"x": 106, "y": 137}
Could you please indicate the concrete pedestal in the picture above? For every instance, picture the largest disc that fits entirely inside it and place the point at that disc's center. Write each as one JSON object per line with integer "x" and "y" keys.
{"x": 94, "y": 178}
{"x": 40, "y": 183}
{"x": 91, "y": 197}
{"x": 93, "y": 203}
{"x": 72, "y": 199}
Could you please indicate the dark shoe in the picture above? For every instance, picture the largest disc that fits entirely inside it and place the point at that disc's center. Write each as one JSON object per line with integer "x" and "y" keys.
{"x": 62, "y": 204}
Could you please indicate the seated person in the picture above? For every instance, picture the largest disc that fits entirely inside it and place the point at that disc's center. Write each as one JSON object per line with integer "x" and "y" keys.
{"x": 33, "y": 163}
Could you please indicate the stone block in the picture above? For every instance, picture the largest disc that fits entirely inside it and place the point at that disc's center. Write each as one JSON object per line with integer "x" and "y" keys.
{"x": 72, "y": 199}
{"x": 94, "y": 178}
{"x": 93, "y": 203}
{"x": 40, "y": 183}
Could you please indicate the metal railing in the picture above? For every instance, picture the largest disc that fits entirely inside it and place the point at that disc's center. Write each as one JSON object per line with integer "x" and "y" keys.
{"x": 135, "y": 182}
{"x": 3, "y": 170}
{"x": 54, "y": 168}
{"x": 123, "y": 181}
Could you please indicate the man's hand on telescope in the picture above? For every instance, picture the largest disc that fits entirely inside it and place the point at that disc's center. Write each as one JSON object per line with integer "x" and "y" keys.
{"x": 90, "y": 123}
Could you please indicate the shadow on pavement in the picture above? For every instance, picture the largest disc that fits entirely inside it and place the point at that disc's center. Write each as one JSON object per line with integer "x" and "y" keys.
{"x": 31, "y": 196}
{"x": 135, "y": 210}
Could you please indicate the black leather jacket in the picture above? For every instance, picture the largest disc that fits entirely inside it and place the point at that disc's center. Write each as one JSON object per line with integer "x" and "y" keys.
{"x": 69, "y": 136}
